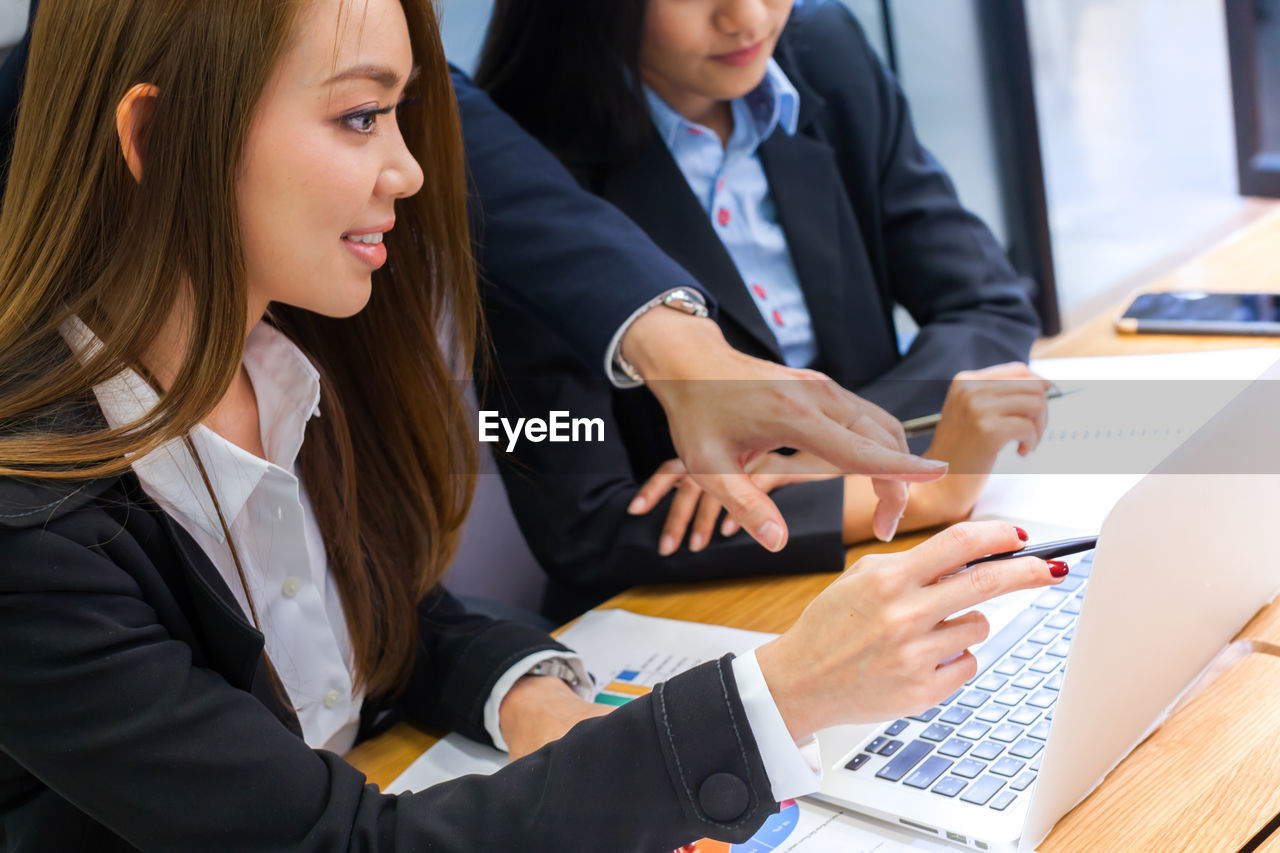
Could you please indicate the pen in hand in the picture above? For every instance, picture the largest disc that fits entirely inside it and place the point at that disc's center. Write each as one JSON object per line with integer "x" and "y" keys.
{"x": 927, "y": 423}
{"x": 1045, "y": 551}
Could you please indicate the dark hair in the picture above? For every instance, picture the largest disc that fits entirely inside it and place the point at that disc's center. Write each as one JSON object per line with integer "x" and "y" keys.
{"x": 568, "y": 72}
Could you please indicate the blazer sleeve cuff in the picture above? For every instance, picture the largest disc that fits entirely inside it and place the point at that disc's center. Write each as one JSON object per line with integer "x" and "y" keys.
{"x": 794, "y": 767}
{"x": 720, "y": 779}
{"x": 513, "y": 674}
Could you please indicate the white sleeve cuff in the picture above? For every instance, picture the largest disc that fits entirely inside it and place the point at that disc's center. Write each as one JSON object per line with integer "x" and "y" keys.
{"x": 616, "y": 376}
{"x": 521, "y": 669}
{"x": 794, "y": 767}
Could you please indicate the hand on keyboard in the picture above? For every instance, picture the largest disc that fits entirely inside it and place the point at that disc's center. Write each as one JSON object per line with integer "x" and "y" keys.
{"x": 878, "y": 643}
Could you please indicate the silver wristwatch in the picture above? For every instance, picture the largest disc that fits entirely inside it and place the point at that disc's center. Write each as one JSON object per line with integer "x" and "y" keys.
{"x": 557, "y": 668}
{"x": 682, "y": 300}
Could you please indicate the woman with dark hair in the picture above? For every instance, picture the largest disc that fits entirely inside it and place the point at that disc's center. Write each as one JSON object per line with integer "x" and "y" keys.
{"x": 768, "y": 152}
{"x": 234, "y": 459}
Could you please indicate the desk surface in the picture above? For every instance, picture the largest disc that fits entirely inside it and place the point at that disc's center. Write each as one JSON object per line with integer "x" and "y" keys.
{"x": 1206, "y": 780}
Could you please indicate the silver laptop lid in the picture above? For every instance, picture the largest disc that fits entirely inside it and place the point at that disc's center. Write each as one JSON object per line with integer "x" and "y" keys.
{"x": 1183, "y": 561}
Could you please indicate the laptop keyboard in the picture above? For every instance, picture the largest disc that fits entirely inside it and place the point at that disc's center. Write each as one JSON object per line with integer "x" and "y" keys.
{"x": 983, "y": 745}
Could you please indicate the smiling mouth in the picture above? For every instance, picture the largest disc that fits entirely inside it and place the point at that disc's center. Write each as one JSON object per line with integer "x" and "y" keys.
{"x": 745, "y": 56}
{"x": 368, "y": 248}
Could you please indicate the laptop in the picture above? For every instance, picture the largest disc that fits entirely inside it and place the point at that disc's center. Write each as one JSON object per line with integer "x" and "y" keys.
{"x": 1073, "y": 677}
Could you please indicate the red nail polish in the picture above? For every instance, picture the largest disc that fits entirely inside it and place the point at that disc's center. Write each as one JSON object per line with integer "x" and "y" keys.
{"x": 1057, "y": 568}
{"x": 1022, "y": 534}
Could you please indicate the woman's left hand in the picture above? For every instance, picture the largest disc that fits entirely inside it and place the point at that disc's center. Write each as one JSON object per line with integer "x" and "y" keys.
{"x": 693, "y": 505}
{"x": 539, "y": 709}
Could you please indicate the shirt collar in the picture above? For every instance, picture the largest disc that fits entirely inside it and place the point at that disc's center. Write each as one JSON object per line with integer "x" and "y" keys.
{"x": 287, "y": 387}
{"x": 772, "y": 104}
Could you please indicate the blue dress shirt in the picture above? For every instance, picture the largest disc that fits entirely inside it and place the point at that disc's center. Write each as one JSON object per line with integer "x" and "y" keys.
{"x": 730, "y": 184}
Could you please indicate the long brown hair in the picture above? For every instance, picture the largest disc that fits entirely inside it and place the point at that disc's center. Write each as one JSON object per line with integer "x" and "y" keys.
{"x": 386, "y": 464}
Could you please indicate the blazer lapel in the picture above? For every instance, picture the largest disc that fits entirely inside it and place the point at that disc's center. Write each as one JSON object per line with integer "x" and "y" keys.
{"x": 804, "y": 180}
{"x": 653, "y": 192}
{"x": 234, "y": 647}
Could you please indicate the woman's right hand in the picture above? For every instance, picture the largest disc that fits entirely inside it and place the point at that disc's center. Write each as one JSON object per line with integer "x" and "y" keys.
{"x": 882, "y": 641}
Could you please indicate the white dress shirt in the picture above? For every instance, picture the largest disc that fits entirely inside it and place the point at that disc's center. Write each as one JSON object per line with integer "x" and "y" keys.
{"x": 286, "y": 570}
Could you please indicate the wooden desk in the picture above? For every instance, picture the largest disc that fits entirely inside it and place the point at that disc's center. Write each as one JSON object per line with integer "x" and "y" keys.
{"x": 1248, "y": 261}
{"x": 1160, "y": 795}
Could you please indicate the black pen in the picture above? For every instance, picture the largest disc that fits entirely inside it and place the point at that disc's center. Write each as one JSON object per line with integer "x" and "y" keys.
{"x": 1047, "y": 551}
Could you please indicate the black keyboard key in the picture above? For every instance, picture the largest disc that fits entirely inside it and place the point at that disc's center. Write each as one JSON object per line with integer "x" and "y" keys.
{"x": 973, "y": 731}
{"x": 955, "y": 747}
{"x": 993, "y": 649}
{"x": 1026, "y": 748}
{"x": 957, "y": 715}
{"x": 949, "y": 786}
{"x": 858, "y": 760}
{"x": 928, "y": 772}
{"x": 937, "y": 732}
{"x": 907, "y": 758}
{"x": 926, "y": 715}
{"x": 891, "y": 747}
{"x": 1008, "y": 767}
{"x": 987, "y": 750}
{"x": 1023, "y": 782}
{"x": 1002, "y": 800}
{"x": 896, "y": 728}
{"x": 875, "y": 744}
{"x": 982, "y": 790}
{"x": 968, "y": 768}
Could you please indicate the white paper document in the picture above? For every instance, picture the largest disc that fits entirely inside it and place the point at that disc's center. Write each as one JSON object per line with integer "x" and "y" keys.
{"x": 1120, "y": 418}
{"x": 626, "y": 654}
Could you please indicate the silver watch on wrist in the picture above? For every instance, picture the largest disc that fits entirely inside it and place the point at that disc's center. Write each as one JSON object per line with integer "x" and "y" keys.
{"x": 557, "y": 668}
{"x": 681, "y": 299}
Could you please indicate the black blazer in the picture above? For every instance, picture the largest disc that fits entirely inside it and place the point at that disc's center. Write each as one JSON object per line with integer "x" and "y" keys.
{"x": 136, "y": 713}
{"x": 558, "y": 252}
{"x": 871, "y": 219}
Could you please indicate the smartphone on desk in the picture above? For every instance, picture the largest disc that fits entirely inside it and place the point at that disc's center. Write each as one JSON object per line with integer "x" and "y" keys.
{"x": 1196, "y": 313}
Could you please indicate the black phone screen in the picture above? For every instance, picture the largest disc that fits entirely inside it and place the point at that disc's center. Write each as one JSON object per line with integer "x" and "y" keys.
{"x": 1194, "y": 307}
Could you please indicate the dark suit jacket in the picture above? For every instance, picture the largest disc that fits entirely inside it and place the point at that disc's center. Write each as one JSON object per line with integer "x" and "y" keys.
{"x": 136, "y": 713}
{"x": 871, "y": 219}
{"x": 559, "y": 253}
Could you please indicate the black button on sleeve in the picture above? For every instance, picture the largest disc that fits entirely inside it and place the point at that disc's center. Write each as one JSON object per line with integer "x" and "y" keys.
{"x": 723, "y": 797}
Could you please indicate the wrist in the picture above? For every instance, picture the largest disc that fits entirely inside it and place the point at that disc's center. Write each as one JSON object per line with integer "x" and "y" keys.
{"x": 779, "y": 674}
{"x": 667, "y": 344}
{"x": 529, "y": 701}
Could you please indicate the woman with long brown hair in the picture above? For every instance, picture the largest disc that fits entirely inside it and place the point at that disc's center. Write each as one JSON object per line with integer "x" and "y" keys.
{"x": 234, "y": 459}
